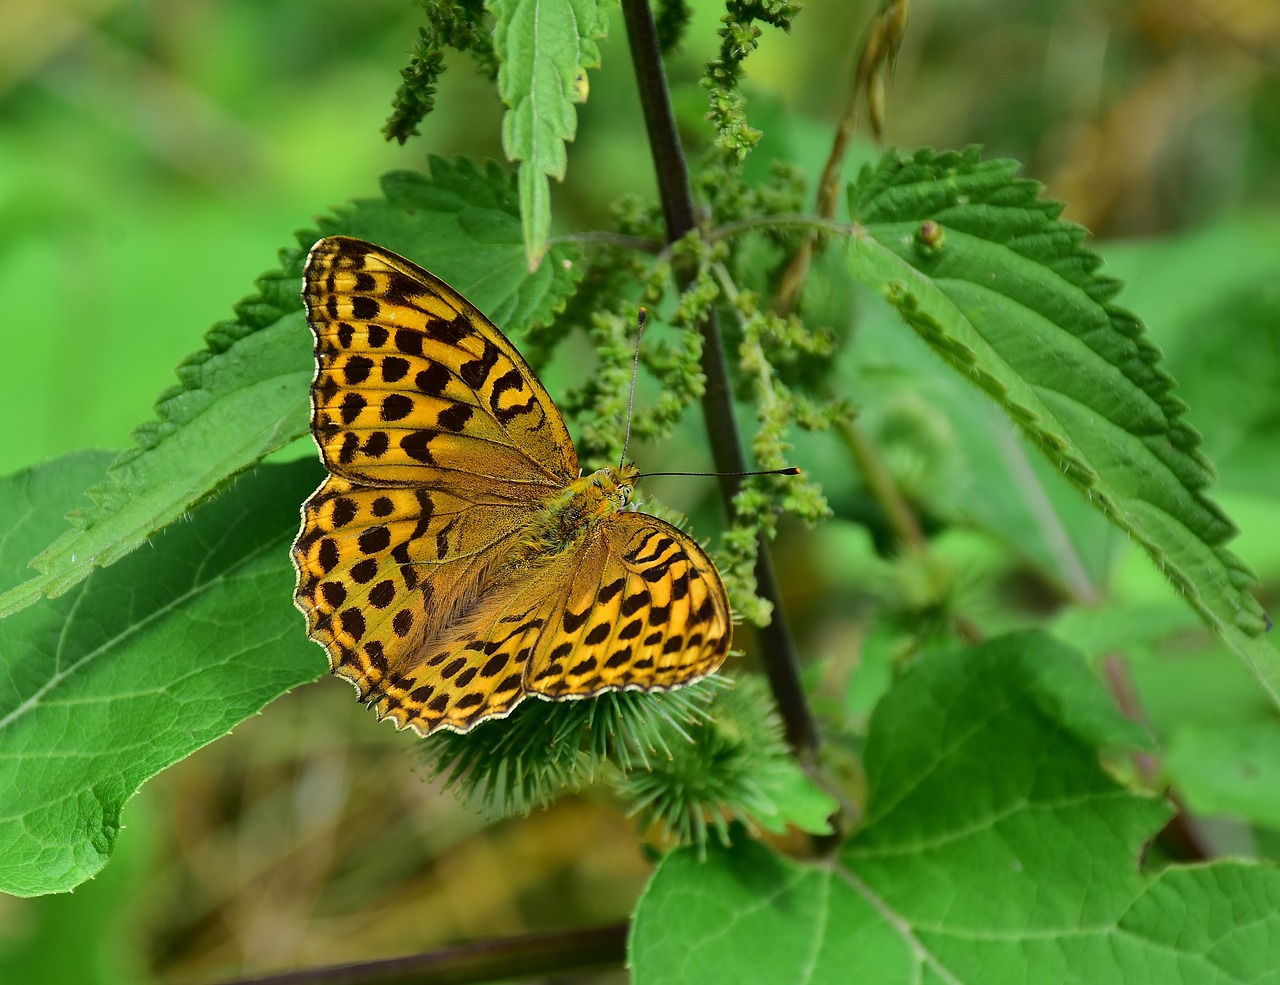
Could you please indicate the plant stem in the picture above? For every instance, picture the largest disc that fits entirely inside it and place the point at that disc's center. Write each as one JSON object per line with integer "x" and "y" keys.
{"x": 883, "y": 489}
{"x": 782, "y": 666}
{"x": 506, "y": 958}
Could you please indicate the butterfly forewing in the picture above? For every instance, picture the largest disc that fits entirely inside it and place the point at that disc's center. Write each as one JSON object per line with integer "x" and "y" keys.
{"x": 411, "y": 381}
{"x": 435, "y": 564}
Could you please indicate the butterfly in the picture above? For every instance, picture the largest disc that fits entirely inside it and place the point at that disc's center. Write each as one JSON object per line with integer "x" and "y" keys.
{"x": 455, "y": 559}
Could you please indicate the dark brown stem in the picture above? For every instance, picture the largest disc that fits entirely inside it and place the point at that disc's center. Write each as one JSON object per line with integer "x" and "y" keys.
{"x": 505, "y": 959}
{"x": 781, "y": 663}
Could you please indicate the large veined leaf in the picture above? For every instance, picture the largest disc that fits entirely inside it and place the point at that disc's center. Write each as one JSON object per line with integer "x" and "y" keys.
{"x": 137, "y": 667}
{"x": 1003, "y": 290}
{"x": 245, "y": 394}
{"x": 995, "y": 850}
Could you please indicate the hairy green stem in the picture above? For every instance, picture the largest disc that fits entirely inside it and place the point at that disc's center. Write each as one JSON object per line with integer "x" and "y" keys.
{"x": 781, "y": 663}
{"x": 484, "y": 961}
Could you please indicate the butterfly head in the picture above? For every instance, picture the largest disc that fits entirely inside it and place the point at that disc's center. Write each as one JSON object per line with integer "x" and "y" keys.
{"x": 613, "y": 487}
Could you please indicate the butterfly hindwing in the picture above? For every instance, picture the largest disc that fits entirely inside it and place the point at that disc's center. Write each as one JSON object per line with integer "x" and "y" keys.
{"x": 646, "y": 611}
{"x": 638, "y": 606}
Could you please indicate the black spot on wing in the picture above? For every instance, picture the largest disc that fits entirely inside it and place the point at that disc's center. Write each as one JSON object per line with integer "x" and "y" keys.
{"x": 357, "y": 369}
{"x": 451, "y": 332}
{"x": 394, "y": 369}
{"x": 474, "y": 372}
{"x": 365, "y": 308}
{"x": 455, "y": 418}
{"x": 433, "y": 379}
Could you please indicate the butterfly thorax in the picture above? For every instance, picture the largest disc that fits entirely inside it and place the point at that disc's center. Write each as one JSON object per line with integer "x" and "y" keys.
{"x": 571, "y": 514}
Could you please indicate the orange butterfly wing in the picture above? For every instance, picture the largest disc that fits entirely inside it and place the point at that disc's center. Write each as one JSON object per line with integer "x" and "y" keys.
{"x": 424, "y": 566}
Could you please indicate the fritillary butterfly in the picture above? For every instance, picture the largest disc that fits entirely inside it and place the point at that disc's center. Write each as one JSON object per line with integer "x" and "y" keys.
{"x": 455, "y": 560}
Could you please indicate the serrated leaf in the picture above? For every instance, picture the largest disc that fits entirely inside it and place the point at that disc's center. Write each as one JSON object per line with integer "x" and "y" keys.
{"x": 36, "y": 499}
{"x": 986, "y": 474}
{"x": 545, "y": 47}
{"x": 1005, "y": 292}
{"x": 136, "y": 668}
{"x": 245, "y": 395}
{"x": 236, "y": 402}
{"x": 996, "y": 850}
{"x": 1222, "y": 276}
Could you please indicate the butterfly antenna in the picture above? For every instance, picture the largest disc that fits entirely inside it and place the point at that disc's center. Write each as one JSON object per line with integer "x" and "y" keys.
{"x": 635, "y": 370}
{"x": 789, "y": 470}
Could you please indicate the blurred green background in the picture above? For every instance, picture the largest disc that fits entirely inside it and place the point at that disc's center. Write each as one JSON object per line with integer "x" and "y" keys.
{"x": 154, "y": 156}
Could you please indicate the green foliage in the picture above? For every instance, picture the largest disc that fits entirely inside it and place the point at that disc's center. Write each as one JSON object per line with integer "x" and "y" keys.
{"x": 1091, "y": 391}
{"x": 685, "y": 761}
{"x": 543, "y": 751}
{"x": 133, "y": 670}
{"x": 1033, "y": 875}
{"x": 457, "y": 24}
{"x": 737, "y": 767}
{"x": 739, "y": 38}
{"x": 545, "y": 48}
{"x": 981, "y": 429}
{"x": 244, "y": 395}
{"x": 235, "y": 403}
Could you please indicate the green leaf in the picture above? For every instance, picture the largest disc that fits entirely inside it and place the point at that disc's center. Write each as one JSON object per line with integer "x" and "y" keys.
{"x": 37, "y": 499}
{"x": 980, "y": 471}
{"x": 101, "y": 916}
{"x": 1232, "y": 768}
{"x": 1002, "y": 289}
{"x": 245, "y": 395}
{"x": 463, "y": 224}
{"x": 797, "y": 801}
{"x": 545, "y": 47}
{"x": 137, "y": 667}
{"x": 239, "y": 399}
{"x": 1223, "y": 277}
{"x": 995, "y": 850}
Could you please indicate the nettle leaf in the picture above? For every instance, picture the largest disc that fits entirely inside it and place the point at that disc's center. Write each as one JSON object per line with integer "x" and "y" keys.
{"x": 981, "y": 471}
{"x": 995, "y": 849}
{"x": 1003, "y": 290}
{"x": 463, "y": 224}
{"x": 1225, "y": 277}
{"x": 136, "y": 668}
{"x": 545, "y": 47}
{"x": 244, "y": 395}
{"x": 237, "y": 400}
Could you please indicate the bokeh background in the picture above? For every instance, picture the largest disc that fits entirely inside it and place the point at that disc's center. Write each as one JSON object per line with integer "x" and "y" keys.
{"x": 154, "y": 156}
